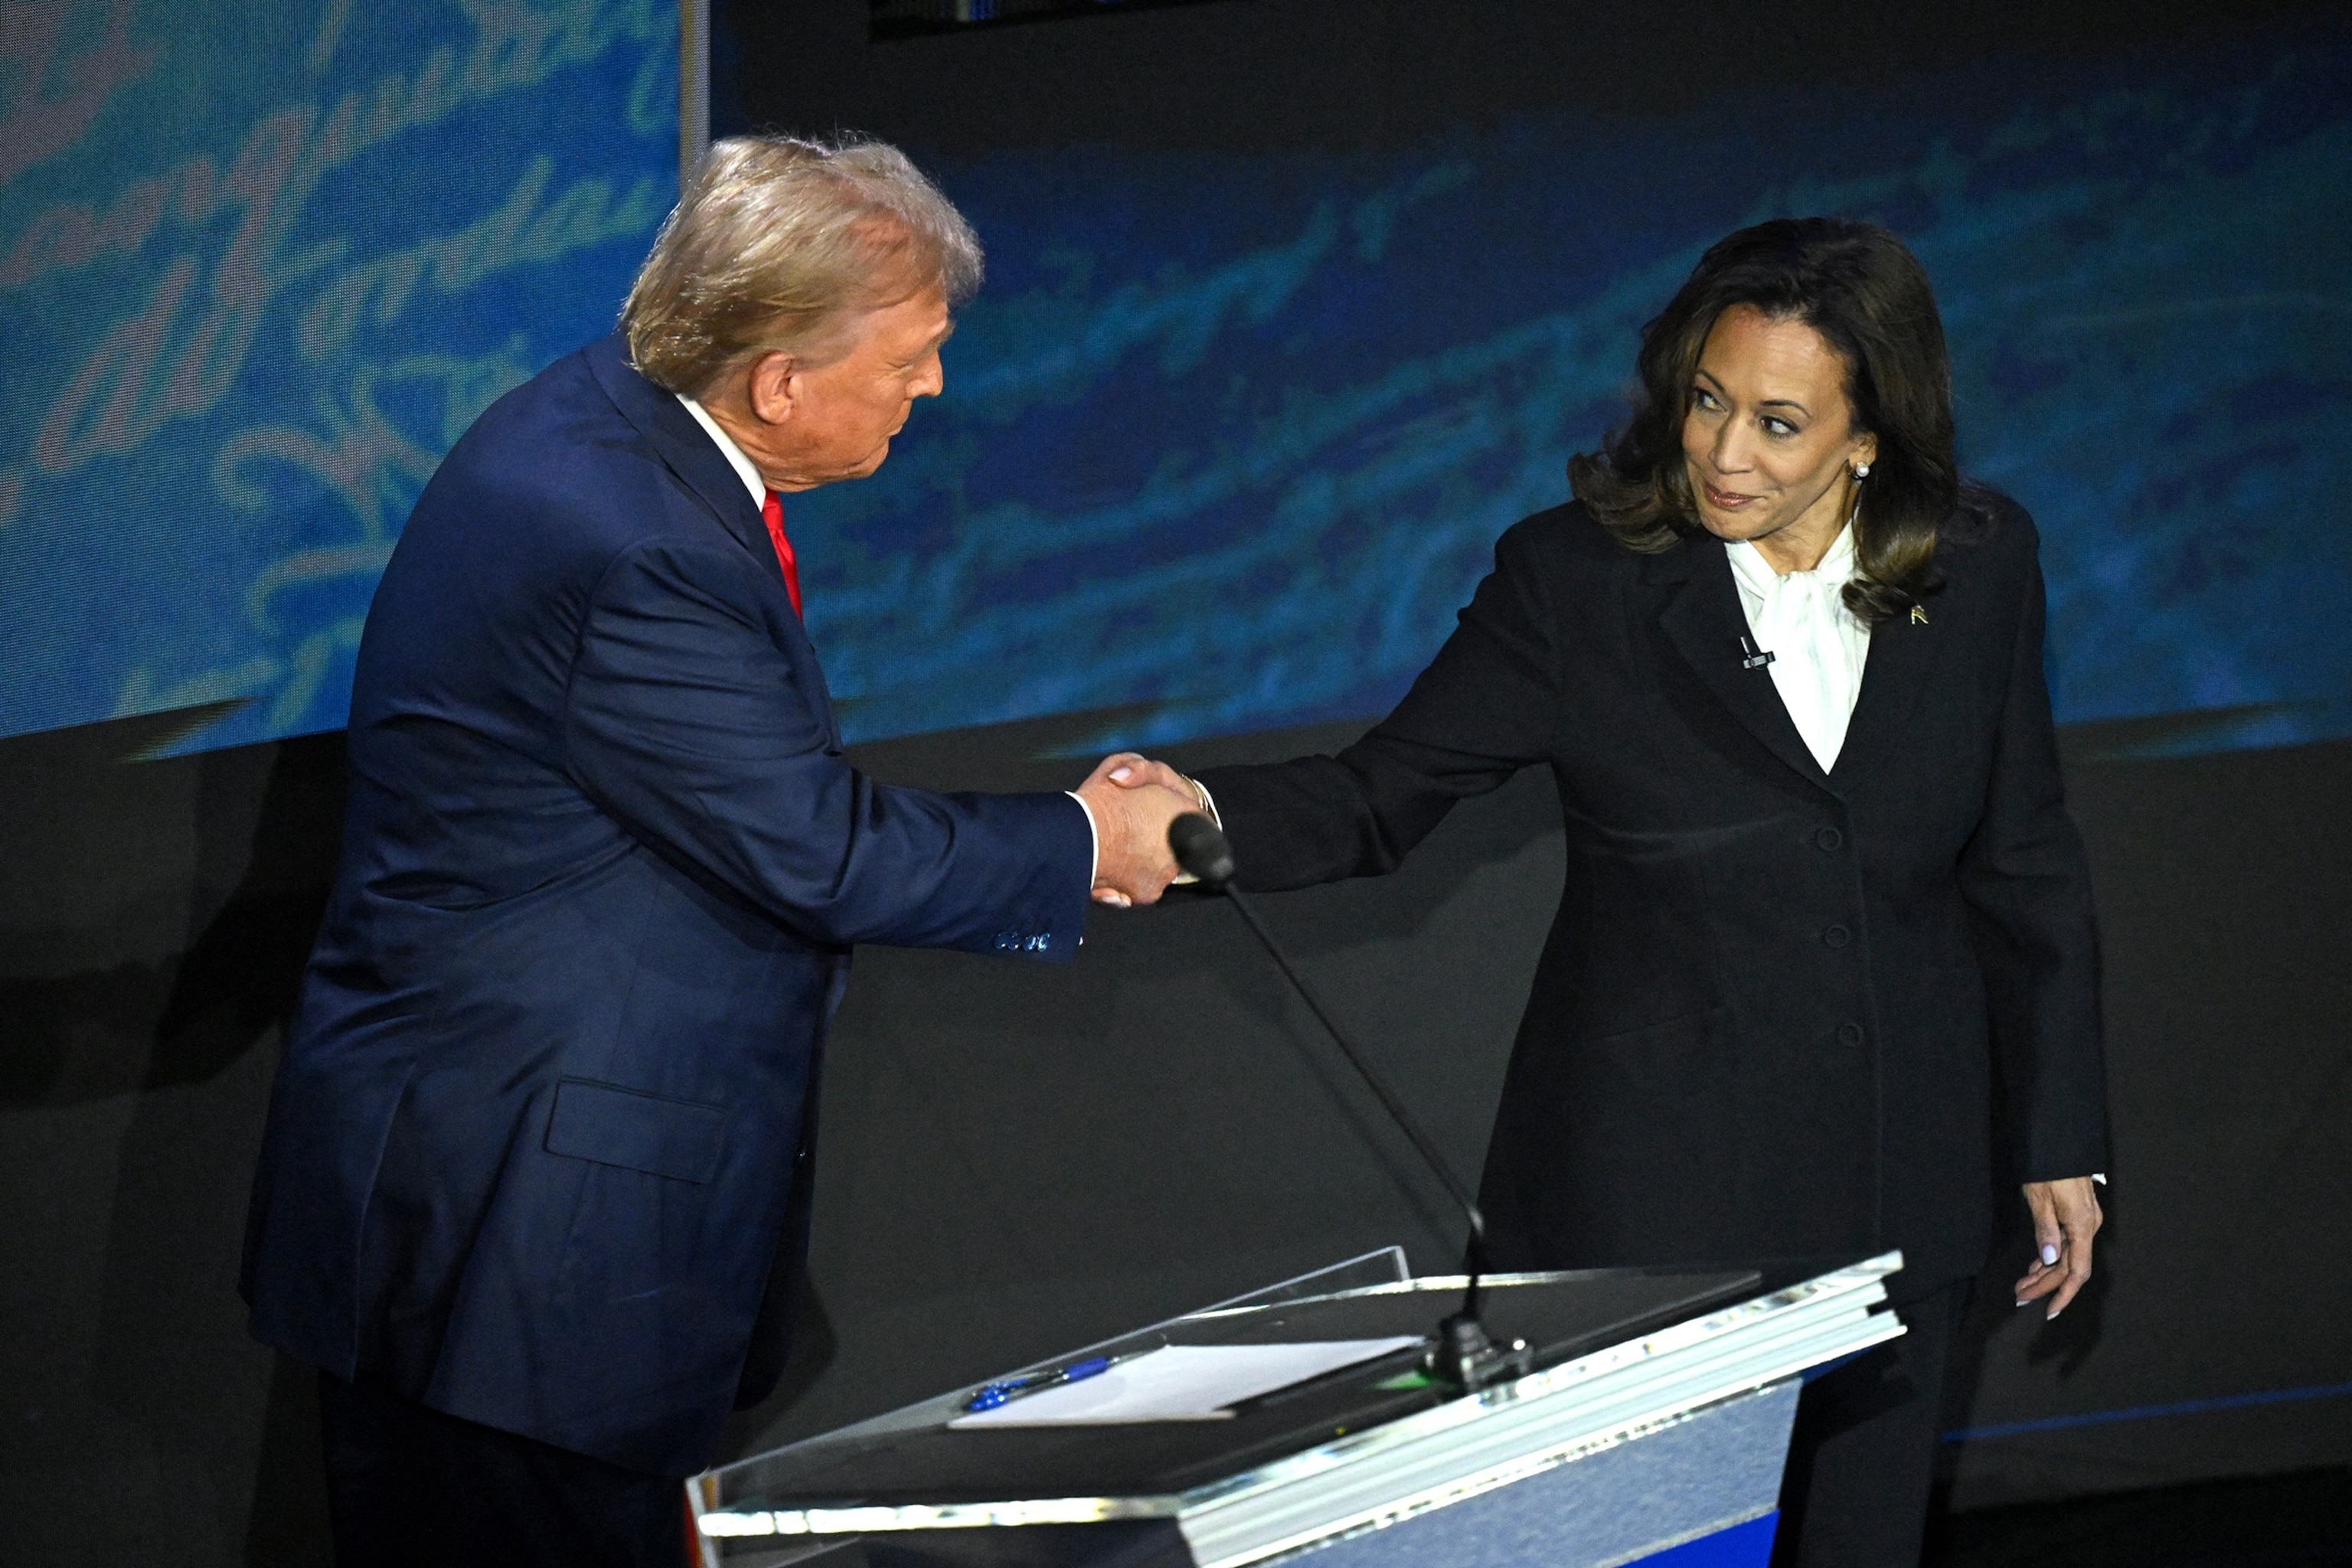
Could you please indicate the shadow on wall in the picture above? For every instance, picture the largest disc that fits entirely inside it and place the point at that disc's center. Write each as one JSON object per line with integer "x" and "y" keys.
{"x": 198, "y": 1009}
{"x": 153, "y": 935}
{"x": 2194, "y": 1353}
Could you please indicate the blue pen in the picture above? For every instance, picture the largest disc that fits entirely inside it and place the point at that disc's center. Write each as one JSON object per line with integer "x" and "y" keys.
{"x": 996, "y": 1394}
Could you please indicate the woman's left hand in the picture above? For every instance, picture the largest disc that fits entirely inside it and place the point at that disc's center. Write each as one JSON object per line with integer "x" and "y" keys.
{"x": 2066, "y": 1216}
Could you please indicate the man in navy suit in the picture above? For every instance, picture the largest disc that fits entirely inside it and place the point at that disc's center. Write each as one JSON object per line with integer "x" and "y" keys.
{"x": 535, "y": 1185}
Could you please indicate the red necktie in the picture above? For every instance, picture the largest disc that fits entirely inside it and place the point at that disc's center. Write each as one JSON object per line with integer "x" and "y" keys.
{"x": 774, "y": 512}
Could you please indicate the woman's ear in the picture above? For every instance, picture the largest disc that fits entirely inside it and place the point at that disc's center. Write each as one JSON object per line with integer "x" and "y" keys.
{"x": 1864, "y": 453}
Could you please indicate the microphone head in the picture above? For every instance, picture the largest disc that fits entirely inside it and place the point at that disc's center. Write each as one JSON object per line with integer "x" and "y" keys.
{"x": 1201, "y": 848}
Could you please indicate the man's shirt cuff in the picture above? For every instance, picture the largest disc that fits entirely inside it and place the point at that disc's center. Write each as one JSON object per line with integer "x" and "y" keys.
{"x": 1094, "y": 837}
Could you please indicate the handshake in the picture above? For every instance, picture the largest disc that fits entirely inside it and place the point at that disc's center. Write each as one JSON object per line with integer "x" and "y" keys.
{"x": 1132, "y": 800}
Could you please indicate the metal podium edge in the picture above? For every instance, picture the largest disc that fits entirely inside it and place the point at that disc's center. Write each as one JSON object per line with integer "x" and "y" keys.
{"x": 1534, "y": 1424}
{"x": 1544, "y": 1421}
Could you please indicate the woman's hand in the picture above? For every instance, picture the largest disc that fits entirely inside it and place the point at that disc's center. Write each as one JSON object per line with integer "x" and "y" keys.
{"x": 2066, "y": 1216}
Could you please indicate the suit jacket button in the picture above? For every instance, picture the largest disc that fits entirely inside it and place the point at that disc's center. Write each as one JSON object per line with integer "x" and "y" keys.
{"x": 1849, "y": 1033}
{"x": 1836, "y": 936}
{"x": 1830, "y": 838}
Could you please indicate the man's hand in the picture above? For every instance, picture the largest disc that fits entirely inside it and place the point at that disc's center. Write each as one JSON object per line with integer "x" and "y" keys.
{"x": 1132, "y": 808}
{"x": 2065, "y": 1217}
{"x": 1129, "y": 771}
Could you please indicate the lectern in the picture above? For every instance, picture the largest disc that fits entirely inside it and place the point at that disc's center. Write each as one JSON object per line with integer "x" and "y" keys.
{"x": 1651, "y": 1429}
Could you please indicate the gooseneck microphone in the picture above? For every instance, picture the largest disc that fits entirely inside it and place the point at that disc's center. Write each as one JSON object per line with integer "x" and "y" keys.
{"x": 1464, "y": 1354}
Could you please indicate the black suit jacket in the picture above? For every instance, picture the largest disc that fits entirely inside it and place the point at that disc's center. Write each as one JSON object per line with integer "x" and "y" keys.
{"x": 1776, "y": 1004}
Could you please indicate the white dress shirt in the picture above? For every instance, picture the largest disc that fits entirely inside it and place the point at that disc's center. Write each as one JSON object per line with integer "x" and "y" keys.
{"x": 745, "y": 469}
{"x": 1818, "y": 645}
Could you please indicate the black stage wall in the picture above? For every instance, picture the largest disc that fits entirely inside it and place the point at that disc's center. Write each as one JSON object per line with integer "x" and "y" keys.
{"x": 1018, "y": 1158}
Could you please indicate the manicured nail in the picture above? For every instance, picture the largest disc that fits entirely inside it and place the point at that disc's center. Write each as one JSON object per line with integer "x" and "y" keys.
{"x": 1121, "y": 774}
{"x": 2049, "y": 1253}
{"x": 2020, "y": 1301}
{"x": 2053, "y": 1314}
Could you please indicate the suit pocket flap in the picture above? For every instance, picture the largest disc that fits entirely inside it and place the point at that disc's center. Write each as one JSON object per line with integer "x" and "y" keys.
{"x": 626, "y": 1127}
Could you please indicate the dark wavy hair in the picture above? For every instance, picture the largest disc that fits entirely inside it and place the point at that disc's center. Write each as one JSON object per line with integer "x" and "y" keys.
{"x": 1860, "y": 287}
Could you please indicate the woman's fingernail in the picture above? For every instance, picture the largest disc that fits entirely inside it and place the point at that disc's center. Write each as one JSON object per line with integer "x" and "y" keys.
{"x": 2020, "y": 1301}
{"x": 1121, "y": 774}
{"x": 2053, "y": 1314}
{"x": 2049, "y": 1253}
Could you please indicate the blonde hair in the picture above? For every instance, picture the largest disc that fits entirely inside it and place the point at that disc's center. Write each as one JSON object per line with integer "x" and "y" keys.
{"x": 777, "y": 245}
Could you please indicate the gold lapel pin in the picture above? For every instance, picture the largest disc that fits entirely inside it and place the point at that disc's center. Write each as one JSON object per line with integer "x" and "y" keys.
{"x": 1919, "y": 615}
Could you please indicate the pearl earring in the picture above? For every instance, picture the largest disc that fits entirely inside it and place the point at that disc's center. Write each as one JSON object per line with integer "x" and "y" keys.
{"x": 1862, "y": 470}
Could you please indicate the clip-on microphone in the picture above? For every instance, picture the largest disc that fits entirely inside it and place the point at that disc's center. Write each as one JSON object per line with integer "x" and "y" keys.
{"x": 1464, "y": 1356}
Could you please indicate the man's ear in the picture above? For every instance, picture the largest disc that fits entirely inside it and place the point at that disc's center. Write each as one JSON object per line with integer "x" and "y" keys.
{"x": 775, "y": 387}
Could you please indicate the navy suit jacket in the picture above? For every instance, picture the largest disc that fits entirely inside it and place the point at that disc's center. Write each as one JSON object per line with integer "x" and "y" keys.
{"x": 543, "y": 1127}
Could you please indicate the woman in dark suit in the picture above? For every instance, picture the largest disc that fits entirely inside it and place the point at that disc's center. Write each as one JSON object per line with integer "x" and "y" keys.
{"x": 1824, "y": 908}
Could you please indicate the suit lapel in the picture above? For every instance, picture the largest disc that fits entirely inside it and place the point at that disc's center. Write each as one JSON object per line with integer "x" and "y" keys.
{"x": 1903, "y": 653}
{"x": 1705, "y": 622}
{"x": 683, "y": 445}
{"x": 689, "y": 453}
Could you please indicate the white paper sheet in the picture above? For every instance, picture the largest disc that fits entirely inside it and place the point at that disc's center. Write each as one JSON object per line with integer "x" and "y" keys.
{"x": 1181, "y": 1383}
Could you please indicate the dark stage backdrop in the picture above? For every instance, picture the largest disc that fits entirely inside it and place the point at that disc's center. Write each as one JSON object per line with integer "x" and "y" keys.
{"x": 1295, "y": 305}
{"x": 1019, "y": 1159}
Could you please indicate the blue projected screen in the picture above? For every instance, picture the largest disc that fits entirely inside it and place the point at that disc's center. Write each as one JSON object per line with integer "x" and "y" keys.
{"x": 1227, "y": 437}
{"x": 259, "y": 266}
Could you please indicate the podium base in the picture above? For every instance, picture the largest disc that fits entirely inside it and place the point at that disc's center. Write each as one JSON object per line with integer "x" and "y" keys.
{"x": 1698, "y": 1493}
{"x": 1695, "y": 1492}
